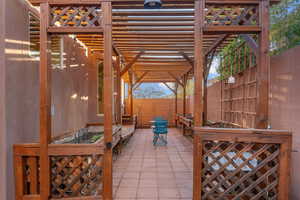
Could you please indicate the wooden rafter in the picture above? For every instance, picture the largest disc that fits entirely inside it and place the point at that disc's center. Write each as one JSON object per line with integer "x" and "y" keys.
{"x": 130, "y": 64}
{"x": 176, "y": 79}
{"x": 138, "y": 80}
{"x": 171, "y": 89}
{"x": 216, "y": 44}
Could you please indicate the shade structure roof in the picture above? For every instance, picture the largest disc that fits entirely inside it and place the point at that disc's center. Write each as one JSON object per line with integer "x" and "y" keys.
{"x": 161, "y": 41}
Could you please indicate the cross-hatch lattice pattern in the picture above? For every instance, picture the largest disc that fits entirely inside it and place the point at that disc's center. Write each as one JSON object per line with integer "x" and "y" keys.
{"x": 76, "y": 176}
{"x": 239, "y": 171}
{"x": 76, "y": 16}
{"x": 226, "y": 15}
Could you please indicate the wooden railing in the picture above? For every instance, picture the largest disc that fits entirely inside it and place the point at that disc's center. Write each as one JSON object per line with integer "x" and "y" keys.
{"x": 241, "y": 164}
{"x": 76, "y": 170}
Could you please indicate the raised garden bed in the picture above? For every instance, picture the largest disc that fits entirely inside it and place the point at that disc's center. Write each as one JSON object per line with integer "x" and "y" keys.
{"x": 89, "y": 135}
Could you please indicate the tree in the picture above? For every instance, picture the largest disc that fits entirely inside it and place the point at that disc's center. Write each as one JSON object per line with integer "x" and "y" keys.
{"x": 285, "y": 25}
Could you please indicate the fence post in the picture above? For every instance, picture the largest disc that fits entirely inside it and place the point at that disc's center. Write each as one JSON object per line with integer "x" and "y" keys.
{"x": 197, "y": 160}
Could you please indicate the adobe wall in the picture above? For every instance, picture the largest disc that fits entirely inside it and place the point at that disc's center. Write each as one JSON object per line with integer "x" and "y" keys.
{"x": 19, "y": 90}
{"x": 214, "y": 102}
{"x": 285, "y": 104}
{"x": 3, "y": 148}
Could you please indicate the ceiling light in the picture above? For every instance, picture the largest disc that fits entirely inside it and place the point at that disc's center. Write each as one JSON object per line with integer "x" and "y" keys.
{"x": 152, "y": 4}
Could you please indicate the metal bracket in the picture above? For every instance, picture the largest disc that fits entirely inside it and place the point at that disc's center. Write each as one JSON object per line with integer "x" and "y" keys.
{"x": 108, "y": 145}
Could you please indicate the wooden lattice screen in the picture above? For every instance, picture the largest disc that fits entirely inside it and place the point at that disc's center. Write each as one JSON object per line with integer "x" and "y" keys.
{"x": 238, "y": 99}
{"x": 241, "y": 164}
{"x": 76, "y": 171}
{"x": 231, "y": 14}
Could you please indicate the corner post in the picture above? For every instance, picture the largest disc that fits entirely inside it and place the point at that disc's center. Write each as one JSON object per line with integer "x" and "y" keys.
{"x": 119, "y": 89}
{"x": 184, "y": 103}
{"x": 108, "y": 100}
{"x": 198, "y": 63}
{"x": 263, "y": 68}
{"x": 45, "y": 101}
{"x": 130, "y": 93}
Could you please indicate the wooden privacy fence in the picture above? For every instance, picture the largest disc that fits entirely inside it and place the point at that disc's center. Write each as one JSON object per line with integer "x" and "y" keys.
{"x": 76, "y": 170}
{"x": 241, "y": 164}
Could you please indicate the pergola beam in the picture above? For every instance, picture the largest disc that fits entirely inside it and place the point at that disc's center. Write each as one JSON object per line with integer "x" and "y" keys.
{"x": 216, "y": 44}
{"x": 140, "y": 79}
{"x": 171, "y": 89}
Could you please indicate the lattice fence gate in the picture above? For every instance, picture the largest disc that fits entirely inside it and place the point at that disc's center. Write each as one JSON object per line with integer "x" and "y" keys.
{"x": 241, "y": 164}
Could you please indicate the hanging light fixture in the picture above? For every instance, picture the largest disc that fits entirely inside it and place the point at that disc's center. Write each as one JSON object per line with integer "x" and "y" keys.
{"x": 152, "y": 4}
{"x": 231, "y": 79}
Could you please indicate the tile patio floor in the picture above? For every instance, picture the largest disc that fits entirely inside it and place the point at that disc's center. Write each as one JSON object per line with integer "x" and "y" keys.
{"x": 143, "y": 171}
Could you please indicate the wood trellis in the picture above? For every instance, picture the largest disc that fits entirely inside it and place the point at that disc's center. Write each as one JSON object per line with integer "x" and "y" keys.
{"x": 241, "y": 164}
{"x": 238, "y": 100}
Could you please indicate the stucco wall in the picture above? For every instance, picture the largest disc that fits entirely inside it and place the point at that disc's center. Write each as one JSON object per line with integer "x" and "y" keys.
{"x": 19, "y": 90}
{"x": 3, "y": 148}
{"x": 93, "y": 116}
{"x": 285, "y": 104}
{"x": 21, "y": 86}
{"x": 214, "y": 102}
{"x": 69, "y": 90}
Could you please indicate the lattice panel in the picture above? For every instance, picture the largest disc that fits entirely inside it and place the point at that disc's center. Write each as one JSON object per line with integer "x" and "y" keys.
{"x": 240, "y": 170}
{"x": 75, "y": 176}
{"x": 76, "y": 16}
{"x": 226, "y": 15}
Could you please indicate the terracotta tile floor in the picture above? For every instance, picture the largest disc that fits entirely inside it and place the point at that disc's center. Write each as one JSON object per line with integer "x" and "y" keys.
{"x": 143, "y": 171}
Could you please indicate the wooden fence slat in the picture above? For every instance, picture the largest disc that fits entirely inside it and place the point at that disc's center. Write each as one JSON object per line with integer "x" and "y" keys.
{"x": 33, "y": 174}
{"x": 19, "y": 177}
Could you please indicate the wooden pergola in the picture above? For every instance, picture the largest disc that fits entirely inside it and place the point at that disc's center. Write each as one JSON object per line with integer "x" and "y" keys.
{"x": 171, "y": 44}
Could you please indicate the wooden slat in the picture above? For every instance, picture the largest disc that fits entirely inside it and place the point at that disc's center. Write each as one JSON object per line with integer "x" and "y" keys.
{"x": 75, "y": 149}
{"x": 27, "y": 149}
{"x": 70, "y": 30}
{"x": 31, "y": 197}
{"x": 231, "y": 29}
{"x": 33, "y": 175}
{"x": 19, "y": 176}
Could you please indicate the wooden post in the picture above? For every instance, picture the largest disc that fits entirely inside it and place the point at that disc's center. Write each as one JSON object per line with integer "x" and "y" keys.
{"x": 197, "y": 156}
{"x": 205, "y": 93}
{"x": 263, "y": 68}
{"x": 45, "y": 102}
{"x": 184, "y": 103}
{"x": 108, "y": 100}
{"x": 198, "y": 63}
{"x": 130, "y": 95}
{"x": 285, "y": 169}
{"x": 176, "y": 102}
{"x": 119, "y": 89}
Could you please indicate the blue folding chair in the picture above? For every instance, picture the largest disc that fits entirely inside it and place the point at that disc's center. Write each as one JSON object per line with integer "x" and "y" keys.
{"x": 160, "y": 130}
